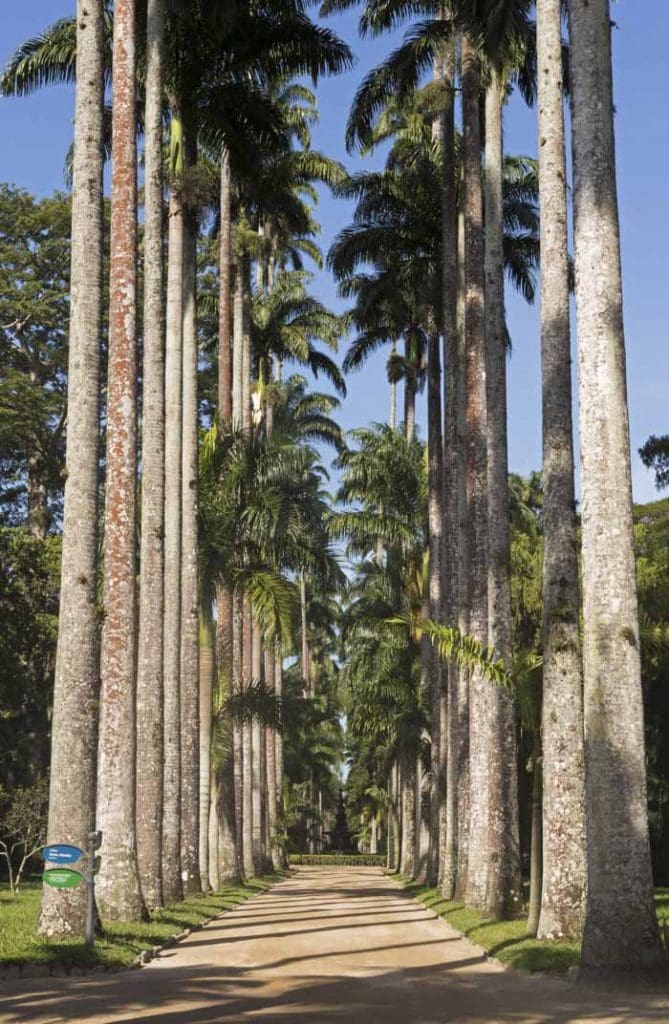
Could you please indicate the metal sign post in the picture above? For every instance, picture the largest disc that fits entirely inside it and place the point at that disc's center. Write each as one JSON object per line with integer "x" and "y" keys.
{"x": 92, "y": 868}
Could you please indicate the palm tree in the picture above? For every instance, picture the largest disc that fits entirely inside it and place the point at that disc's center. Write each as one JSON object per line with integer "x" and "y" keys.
{"x": 74, "y": 724}
{"x": 620, "y": 924}
{"x": 189, "y": 613}
{"x": 562, "y": 725}
{"x": 118, "y": 889}
{"x": 149, "y": 787}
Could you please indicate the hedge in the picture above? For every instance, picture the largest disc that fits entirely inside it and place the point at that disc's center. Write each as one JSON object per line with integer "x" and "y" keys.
{"x": 341, "y": 860}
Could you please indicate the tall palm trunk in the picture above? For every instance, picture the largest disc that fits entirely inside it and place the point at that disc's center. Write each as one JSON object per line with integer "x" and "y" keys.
{"x": 190, "y": 618}
{"x": 407, "y": 783}
{"x": 228, "y": 862}
{"x": 225, "y": 293}
{"x": 392, "y": 416}
{"x": 172, "y": 887}
{"x": 237, "y": 730}
{"x": 620, "y": 925}
{"x": 74, "y": 723}
{"x": 409, "y": 395}
{"x": 117, "y": 887}
{"x": 563, "y": 888}
{"x": 435, "y": 549}
{"x": 459, "y": 691}
{"x": 258, "y": 745}
{"x": 536, "y": 853}
{"x": 272, "y": 795}
{"x": 207, "y": 666}
{"x": 504, "y": 886}
{"x": 247, "y": 745}
{"x": 149, "y": 783}
{"x": 477, "y": 484}
{"x": 278, "y": 689}
{"x": 450, "y": 723}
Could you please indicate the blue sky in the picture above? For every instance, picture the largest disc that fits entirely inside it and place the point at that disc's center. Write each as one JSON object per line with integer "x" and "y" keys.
{"x": 37, "y": 131}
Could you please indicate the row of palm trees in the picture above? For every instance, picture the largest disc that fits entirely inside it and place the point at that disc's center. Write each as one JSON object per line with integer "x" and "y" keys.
{"x": 182, "y": 797}
{"x": 437, "y": 275}
{"x": 162, "y": 745}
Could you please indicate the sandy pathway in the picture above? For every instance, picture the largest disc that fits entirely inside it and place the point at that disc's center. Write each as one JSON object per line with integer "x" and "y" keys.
{"x": 324, "y": 945}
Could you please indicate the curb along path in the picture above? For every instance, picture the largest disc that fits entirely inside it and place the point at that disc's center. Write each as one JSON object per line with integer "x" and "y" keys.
{"x": 323, "y": 945}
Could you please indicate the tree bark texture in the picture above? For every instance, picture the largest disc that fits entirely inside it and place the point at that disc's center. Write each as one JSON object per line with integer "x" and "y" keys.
{"x": 247, "y": 747}
{"x": 621, "y": 928}
{"x": 149, "y": 704}
{"x": 563, "y": 892}
{"x": 477, "y": 483}
{"x": 207, "y": 677}
{"x": 117, "y": 884}
{"x": 407, "y": 782}
{"x": 504, "y": 895}
{"x": 228, "y": 866}
{"x": 449, "y": 732}
{"x": 435, "y": 549}
{"x": 237, "y": 728}
{"x": 190, "y": 618}
{"x": 225, "y": 295}
{"x": 74, "y": 722}
{"x": 172, "y": 888}
{"x": 258, "y": 745}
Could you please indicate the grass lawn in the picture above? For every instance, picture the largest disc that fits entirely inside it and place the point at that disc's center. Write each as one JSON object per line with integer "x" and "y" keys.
{"x": 122, "y": 941}
{"x": 506, "y": 940}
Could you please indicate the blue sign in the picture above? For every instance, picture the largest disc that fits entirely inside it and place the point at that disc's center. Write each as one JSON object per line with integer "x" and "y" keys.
{"x": 61, "y": 853}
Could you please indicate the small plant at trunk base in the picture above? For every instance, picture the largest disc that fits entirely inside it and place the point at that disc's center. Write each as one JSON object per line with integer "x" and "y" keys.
{"x": 23, "y": 817}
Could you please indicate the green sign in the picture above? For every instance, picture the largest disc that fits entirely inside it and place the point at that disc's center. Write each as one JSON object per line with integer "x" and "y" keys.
{"x": 62, "y": 878}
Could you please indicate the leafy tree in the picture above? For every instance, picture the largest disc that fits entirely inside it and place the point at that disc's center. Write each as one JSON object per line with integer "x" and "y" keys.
{"x": 34, "y": 312}
{"x": 655, "y": 455}
{"x": 23, "y": 818}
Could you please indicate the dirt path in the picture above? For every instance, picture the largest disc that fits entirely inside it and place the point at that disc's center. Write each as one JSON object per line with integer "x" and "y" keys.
{"x": 324, "y": 945}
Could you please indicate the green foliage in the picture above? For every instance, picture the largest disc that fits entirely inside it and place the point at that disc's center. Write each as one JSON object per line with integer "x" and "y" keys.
{"x": 338, "y": 860}
{"x": 23, "y": 822}
{"x": 34, "y": 316}
{"x": 655, "y": 455}
{"x": 29, "y": 584}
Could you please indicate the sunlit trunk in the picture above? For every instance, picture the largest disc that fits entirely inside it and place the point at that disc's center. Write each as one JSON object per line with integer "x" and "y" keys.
{"x": 74, "y": 721}
{"x": 477, "y": 483}
{"x": 172, "y": 887}
{"x": 562, "y": 900}
{"x": 621, "y": 928}
{"x": 207, "y": 676}
{"x": 149, "y": 786}
{"x": 504, "y": 885}
{"x": 190, "y": 618}
{"x": 117, "y": 885}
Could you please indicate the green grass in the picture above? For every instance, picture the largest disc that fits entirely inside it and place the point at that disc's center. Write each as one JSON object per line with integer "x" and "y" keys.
{"x": 507, "y": 940}
{"x": 122, "y": 941}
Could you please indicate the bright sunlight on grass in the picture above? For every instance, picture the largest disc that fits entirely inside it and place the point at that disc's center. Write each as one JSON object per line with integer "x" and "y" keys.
{"x": 122, "y": 942}
{"x": 507, "y": 941}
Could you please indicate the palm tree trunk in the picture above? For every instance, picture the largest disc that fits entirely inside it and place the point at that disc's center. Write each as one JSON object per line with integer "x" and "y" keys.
{"x": 207, "y": 676}
{"x": 37, "y": 511}
{"x": 459, "y": 680}
{"x": 278, "y": 689}
{"x": 228, "y": 866}
{"x": 477, "y": 484}
{"x": 238, "y": 348}
{"x": 270, "y": 763}
{"x": 408, "y": 804}
{"x": 258, "y": 743}
{"x": 172, "y": 887}
{"x": 449, "y": 735}
{"x": 435, "y": 547}
{"x": 74, "y": 722}
{"x": 504, "y": 887}
{"x": 224, "y": 302}
{"x": 237, "y": 729}
{"x": 536, "y": 858}
{"x": 562, "y": 901}
{"x": 212, "y": 874}
{"x": 117, "y": 885}
{"x": 247, "y": 745}
{"x": 149, "y": 783}
{"x": 392, "y": 417}
{"x": 304, "y": 635}
{"x": 409, "y": 397}
{"x": 190, "y": 617}
{"x": 621, "y": 928}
